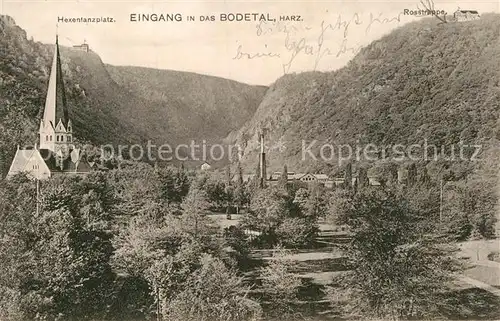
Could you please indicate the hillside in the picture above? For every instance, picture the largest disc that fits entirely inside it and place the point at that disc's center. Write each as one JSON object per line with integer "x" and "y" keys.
{"x": 191, "y": 105}
{"x": 175, "y": 108}
{"x": 422, "y": 81}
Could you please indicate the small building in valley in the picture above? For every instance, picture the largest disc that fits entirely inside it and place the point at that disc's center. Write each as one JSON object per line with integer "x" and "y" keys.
{"x": 302, "y": 177}
{"x": 205, "y": 166}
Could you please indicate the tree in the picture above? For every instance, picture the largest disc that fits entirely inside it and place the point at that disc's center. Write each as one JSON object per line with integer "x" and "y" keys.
{"x": 296, "y": 232}
{"x": 283, "y": 180}
{"x": 280, "y": 285}
{"x": 240, "y": 196}
{"x": 195, "y": 206}
{"x": 257, "y": 174}
{"x": 424, "y": 178}
{"x": 18, "y": 231}
{"x": 174, "y": 185}
{"x": 228, "y": 176}
{"x": 267, "y": 209}
{"x": 412, "y": 174}
{"x": 348, "y": 176}
{"x": 240, "y": 250}
{"x": 163, "y": 256}
{"x": 301, "y": 197}
{"x": 483, "y": 199}
{"x": 3, "y": 164}
{"x": 426, "y": 197}
{"x": 338, "y": 202}
{"x": 363, "y": 180}
{"x": 212, "y": 292}
{"x": 285, "y": 216}
{"x": 217, "y": 193}
{"x": 65, "y": 271}
{"x": 229, "y": 197}
{"x": 182, "y": 183}
{"x": 399, "y": 263}
{"x": 456, "y": 211}
{"x": 239, "y": 174}
{"x": 228, "y": 190}
{"x": 310, "y": 201}
{"x": 392, "y": 173}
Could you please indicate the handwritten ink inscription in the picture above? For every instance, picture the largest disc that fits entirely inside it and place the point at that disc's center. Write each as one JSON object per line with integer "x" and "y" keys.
{"x": 315, "y": 42}
{"x": 240, "y": 54}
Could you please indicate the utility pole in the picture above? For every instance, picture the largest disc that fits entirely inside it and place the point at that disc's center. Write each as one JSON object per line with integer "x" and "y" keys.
{"x": 37, "y": 196}
{"x": 262, "y": 161}
{"x": 158, "y": 307}
{"x": 37, "y": 178}
{"x": 441, "y": 201}
{"x": 196, "y": 225}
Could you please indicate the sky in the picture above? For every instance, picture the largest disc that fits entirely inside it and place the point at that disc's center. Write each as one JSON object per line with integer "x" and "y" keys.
{"x": 327, "y": 35}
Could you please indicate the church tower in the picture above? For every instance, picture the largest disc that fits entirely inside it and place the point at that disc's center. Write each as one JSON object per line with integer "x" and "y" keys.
{"x": 56, "y": 154}
{"x": 56, "y": 132}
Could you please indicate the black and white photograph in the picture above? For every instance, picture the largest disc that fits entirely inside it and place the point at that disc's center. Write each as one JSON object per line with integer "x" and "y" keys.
{"x": 230, "y": 160}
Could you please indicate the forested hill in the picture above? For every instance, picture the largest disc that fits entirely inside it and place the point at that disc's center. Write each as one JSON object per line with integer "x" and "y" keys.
{"x": 191, "y": 105}
{"x": 425, "y": 80}
{"x": 96, "y": 104}
{"x": 132, "y": 105}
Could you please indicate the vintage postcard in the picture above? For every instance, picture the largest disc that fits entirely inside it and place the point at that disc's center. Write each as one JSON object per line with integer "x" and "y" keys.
{"x": 249, "y": 160}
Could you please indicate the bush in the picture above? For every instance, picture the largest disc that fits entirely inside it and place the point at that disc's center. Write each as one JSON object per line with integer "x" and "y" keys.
{"x": 494, "y": 256}
{"x": 296, "y": 232}
{"x": 398, "y": 261}
{"x": 213, "y": 292}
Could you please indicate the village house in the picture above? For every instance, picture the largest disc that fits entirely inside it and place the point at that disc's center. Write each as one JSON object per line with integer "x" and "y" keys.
{"x": 56, "y": 153}
{"x": 322, "y": 179}
{"x": 372, "y": 180}
{"x": 83, "y": 47}
{"x": 205, "y": 166}
{"x": 302, "y": 177}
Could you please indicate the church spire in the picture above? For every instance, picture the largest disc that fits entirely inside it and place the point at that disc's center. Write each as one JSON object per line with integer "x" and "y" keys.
{"x": 56, "y": 132}
{"x": 55, "y": 103}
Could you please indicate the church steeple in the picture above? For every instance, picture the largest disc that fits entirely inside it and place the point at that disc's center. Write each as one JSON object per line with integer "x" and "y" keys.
{"x": 56, "y": 153}
{"x": 55, "y": 102}
{"x": 56, "y": 128}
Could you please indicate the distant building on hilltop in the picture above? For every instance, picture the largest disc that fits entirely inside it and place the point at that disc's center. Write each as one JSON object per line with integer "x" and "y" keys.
{"x": 466, "y": 15}
{"x": 56, "y": 153}
{"x": 83, "y": 47}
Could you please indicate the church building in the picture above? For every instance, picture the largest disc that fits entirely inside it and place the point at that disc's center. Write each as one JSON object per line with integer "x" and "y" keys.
{"x": 55, "y": 154}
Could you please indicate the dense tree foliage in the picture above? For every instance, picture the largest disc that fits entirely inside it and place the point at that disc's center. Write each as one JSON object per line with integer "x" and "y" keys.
{"x": 112, "y": 244}
{"x": 423, "y": 82}
{"x": 287, "y": 216}
{"x": 280, "y": 285}
{"x": 65, "y": 271}
{"x": 213, "y": 292}
{"x": 138, "y": 242}
{"x": 399, "y": 262}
